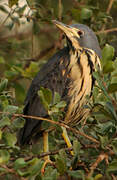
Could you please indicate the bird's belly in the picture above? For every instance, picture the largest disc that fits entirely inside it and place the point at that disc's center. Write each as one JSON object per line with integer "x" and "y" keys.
{"x": 80, "y": 87}
{"x": 76, "y": 110}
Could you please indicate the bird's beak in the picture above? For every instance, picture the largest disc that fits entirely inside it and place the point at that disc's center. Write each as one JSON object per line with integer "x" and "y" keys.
{"x": 68, "y": 30}
{"x": 61, "y": 26}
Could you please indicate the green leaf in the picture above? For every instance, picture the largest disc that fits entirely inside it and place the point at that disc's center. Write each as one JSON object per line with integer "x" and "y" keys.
{"x": 61, "y": 167}
{"x": 108, "y": 67}
{"x": 19, "y": 163}
{"x": 79, "y": 174}
{"x": 43, "y": 100}
{"x": 37, "y": 146}
{"x": 63, "y": 155}
{"x": 36, "y": 28}
{"x": 5, "y": 121}
{"x": 31, "y": 71}
{"x": 76, "y": 14}
{"x": 50, "y": 174}
{"x": 101, "y": 86}
{"x": 22, "y": 173}
{"x": 112, "y": 166}
{"x": 61, "y": 104}
{"x": 53, "y": 110}
{"x": 10, "y": 25}
{"x": 104, "y": 141}
{"x": 3, "y": 85}
{"x": 111, "y": 109}
{"x": 21, "y": 10}
{"x": 17, "y": 69}
{"x": 4, "y": 156}
{"x": 4, "y": 9}
{"x": 76, "y": 146}
{"x": 98, "y": 176}
{"x": 86, "y": 13}
{"x": 9, "y": 139}
{"x": 107, "y": 54}
{"x": 112, "y": 88}
{"x": 10, "y": 74}
{"x": 61, "y": 162}
{"x": 12, "y": 2}
{"x": 18, "y": 123}
{"x": 47, "y": 94}
{"x": 114, "y": 145}
{"x": 35, "y": 167}
{"x": 11, "y": 109}
{"x": 107, "y": 128}
{"x": 3, "y": 170}
{"x": 0, "y": 134}
{"x": 57, "y": 98}
{"x": 102, "y": 110}
{"x": 20, "y": 92}
{"x": 2, "y": 61}
{"x": 32, "y": 161}
{"x": 74, "y": 161}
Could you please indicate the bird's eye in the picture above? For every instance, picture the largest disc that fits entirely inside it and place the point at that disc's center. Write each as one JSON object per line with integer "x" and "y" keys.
{"x": 80, "y": 33}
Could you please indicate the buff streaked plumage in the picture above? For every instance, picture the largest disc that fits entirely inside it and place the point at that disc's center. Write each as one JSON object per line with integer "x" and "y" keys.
{"x": 68, "y": 72}
{"x": 82, "y": 81}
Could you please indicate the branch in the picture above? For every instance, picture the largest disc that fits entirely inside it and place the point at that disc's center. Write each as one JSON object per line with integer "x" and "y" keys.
{"x": 11, "y": 171}
{"x": 100, "y": 158}
{"x": 109, "y": 6}
{"x": 39, "y": 56}
{"x": 108, "y": 11}
{"x": 107, "y": 31}
{"x": 9, "y": 14}
{"x": 59, "y": 10}
{"x": 48, "y": 153}
{"x": 57, "y": 123}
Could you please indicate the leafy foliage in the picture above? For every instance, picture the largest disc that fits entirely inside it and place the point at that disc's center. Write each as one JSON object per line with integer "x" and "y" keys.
{"x": 21, "y": 57}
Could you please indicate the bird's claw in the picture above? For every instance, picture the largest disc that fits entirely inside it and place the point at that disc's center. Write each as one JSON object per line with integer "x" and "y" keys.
{"x": 45, "y": 164}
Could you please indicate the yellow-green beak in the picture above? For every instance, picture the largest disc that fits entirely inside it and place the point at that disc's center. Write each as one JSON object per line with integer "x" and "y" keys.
{"x": 68, "y": 30}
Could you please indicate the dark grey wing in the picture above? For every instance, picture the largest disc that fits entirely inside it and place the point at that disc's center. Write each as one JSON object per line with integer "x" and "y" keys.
{"x": 50, "y": 76}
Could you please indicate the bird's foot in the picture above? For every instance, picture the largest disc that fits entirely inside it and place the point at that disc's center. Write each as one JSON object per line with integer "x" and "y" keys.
{"x": 67, "y": 140}
{"x": 48, "y": 161}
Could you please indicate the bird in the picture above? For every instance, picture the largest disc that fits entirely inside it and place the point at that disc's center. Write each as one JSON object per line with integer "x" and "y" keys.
{"x": 68, "y": 72}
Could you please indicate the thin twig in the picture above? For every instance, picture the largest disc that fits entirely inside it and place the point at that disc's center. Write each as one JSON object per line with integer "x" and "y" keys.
{"x": 57, "y": 123}
{"x": 59, "y": 10}
{"x": 113, "y": 177}
{"x": 11, "y": 171}
{"x": 32, "y": 44}
{"x": 107, "y": 31}
{"x": 44, "y": 154}
{"x": 48, "y": 153}
{"x": 100, "y": 158}
{"x": 108, "y": 12}
{"x": 87, "y": 146}
{"x": 39, "y": 56}
{"x": 109, "y": 6}
{"x": 9, "y": 14}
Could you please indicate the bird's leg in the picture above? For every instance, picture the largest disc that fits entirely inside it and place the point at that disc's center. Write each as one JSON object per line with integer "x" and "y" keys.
{"x": 45, "y": 149}
{"x": 45, "y": 144}
{"x": 67, "y": 140}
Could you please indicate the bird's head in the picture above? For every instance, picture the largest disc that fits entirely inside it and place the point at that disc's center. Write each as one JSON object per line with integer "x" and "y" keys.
{"x": 80, "y": 35}
{"x": 73, "y": 34}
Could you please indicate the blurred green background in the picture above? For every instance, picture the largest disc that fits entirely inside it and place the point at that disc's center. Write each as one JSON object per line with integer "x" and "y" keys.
{"x": 27, "y": 40}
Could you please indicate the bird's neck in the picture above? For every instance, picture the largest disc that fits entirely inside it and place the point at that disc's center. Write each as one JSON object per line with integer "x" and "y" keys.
{"x": 73, "y": 45}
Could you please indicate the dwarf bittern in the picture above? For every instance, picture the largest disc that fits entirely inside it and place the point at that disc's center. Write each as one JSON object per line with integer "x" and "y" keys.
{"x": 70, "y": 73}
